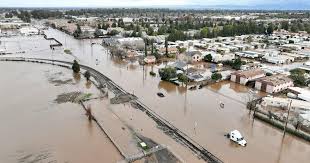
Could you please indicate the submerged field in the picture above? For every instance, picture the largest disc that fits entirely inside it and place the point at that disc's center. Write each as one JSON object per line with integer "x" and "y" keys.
{"x": 36, "y": 128}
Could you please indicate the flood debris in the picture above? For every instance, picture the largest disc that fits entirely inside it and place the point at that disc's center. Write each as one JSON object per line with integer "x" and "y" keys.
{"x": 58, "y": 78}
{"x": 41, "y": 156}
{"x": 123, "y": 98}
{"x": 73, "y": 97}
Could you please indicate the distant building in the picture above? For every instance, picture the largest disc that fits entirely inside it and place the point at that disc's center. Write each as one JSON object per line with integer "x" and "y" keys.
{"x": 29, "y": 31}
{"x": 172, "y": 50}
{"x": 242, "y": 77}
{"x": 273, "y": 84}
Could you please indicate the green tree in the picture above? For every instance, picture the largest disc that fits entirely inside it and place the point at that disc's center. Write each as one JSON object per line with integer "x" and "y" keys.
{"x": 270, "y": 29}
{"x": 208, "y": 58}
{"x": 298, "y": 76}
{"x": 166, "y": 46}
{"x": 98, "y": 33}
{"x": 167, "y": 73}
{"x": 87, "y": 75}
{"x": 76, "y": 67}
{"x": 182, "y": 78}
{"x": 204, "y": 32}
{"x": 150, "y": 31}
{"x": 78, "y": 31}
{"x": 113, "y": 32}
{"x": 216, "y": 76}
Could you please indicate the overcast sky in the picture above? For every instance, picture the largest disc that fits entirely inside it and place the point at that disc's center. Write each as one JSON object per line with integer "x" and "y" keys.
{"x": 142, "y": 3}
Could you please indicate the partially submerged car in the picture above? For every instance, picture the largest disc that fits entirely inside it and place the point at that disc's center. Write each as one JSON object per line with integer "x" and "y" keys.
{"x": 236, "y": 137}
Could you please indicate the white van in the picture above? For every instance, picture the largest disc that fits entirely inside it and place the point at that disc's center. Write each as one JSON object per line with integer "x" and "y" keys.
{"x": 237, "y": 137}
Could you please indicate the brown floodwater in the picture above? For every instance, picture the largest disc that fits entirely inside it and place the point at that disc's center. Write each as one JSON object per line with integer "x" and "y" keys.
{"x": 184, "y": 108}
{"x": 34, "y": 128}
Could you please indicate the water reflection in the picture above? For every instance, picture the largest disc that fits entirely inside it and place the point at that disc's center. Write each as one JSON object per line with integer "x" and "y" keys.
{"x": 88, "y": 84}
{"x": 76, "y": 77}
{"x": 167, "y": 86}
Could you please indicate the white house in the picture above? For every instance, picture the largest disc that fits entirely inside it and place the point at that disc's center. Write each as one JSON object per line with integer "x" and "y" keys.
{"x": 248, "y": 54}
{"x": 284, "y": 102}
{"x": 195, "y": 56}
{"x": 273, "y": 84}
{"x": 242, "y": 77}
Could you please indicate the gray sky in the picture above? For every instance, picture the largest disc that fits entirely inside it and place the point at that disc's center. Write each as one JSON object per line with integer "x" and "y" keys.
{"x": 141, "y": 3}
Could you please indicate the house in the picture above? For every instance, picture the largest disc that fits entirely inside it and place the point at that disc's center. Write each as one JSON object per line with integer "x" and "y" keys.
{"x": 279, "y": 59}
{"x": 273, "y": 84}
{"x": 248, "y": 54}
{"x": 131, "y": 42}
{"x": 195, "y": 56}
{"x": 150, "y": 59}
{"x": 284, "y": 102}
{"x": 301, "y": 93}
{"x": 242, "y": 77}
{"x": 179, "y": 65}
{"x": 172, "y": 50}
{"x": 216, "y": 57}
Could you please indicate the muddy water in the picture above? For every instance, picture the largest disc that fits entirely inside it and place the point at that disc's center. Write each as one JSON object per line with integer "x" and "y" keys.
{"x": 184, "y": 108}
{"x": 34, "y": 128}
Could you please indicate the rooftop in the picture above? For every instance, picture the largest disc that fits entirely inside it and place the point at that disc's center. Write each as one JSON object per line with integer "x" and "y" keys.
{"x": 249, "y": 73}
{"x": 275, "y": 80}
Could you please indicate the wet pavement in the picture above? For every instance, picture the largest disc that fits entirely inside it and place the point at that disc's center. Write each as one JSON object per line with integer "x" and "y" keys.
{"x": 184, "y": 108}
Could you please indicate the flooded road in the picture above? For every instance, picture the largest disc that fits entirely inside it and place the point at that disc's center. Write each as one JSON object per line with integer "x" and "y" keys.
{"x": 184, "y": 108}
{"x": 34, "y": 128}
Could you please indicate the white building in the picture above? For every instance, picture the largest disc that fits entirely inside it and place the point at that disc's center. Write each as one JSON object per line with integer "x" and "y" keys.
{"x": 29, "y": 31}
{"x": 248, "y": 54}
{"x": 242, "y": 77}
{"x": 284, "y": 103}
{"x": 273, "y": 84}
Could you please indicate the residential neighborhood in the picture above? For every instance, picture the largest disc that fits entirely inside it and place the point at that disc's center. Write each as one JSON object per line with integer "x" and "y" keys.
{"x": 140, "y": 84}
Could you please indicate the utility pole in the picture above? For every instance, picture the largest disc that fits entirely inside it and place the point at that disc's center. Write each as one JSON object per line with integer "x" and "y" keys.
{"x": 288, "y": 114}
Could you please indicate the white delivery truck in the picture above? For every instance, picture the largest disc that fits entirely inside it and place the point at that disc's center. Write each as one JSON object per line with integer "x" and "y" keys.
{"x": 237, "y": 138}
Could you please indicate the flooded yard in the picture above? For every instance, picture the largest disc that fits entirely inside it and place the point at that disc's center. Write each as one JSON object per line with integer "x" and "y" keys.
{"x": 35, "y": 128}
{"x": 197, "y": 113}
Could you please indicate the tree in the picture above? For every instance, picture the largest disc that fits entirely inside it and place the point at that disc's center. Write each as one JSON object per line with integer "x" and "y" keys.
{"x": 208, "y": 58}
{"x": 270, "y": 29}
{"x": 8, "y": 15}
{"x": 150, "y": 31}
{"x": 76, "y": 67}
{"x": 182, "y": 50}
{"x": 237, "y": 63}
{"x": 78, "y": 31}
{"x": 113, "y": 32}
{"x": 114, "y": 25}
{"x": 166, "y": 46}
{"x": 216, "y": 76}
{"x": 285, "y": 25}
{"x": 167, "y": 73}
{"x": 294, "y": 28}
{"x": 98, "y": 33}
{"x": 182, "y": 78}
{"x": 204, "y": 32}
{"x": 298, "y": 76}
{"x": 87, "y": 75}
